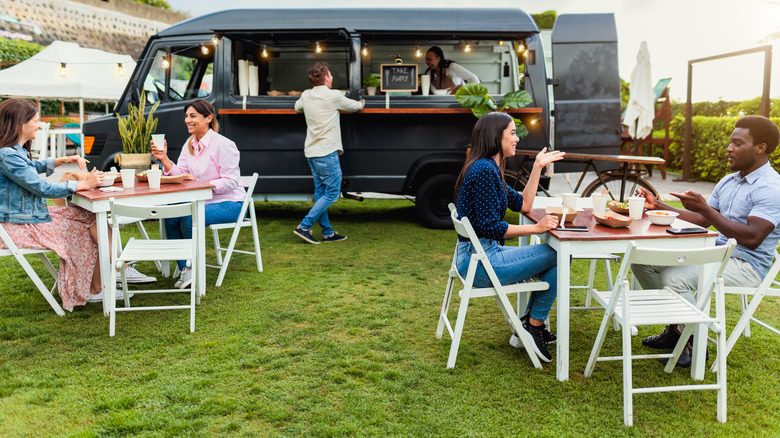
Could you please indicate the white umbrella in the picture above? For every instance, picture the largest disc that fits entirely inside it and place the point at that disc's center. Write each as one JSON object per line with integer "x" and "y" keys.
{"x": 641, "y": 103}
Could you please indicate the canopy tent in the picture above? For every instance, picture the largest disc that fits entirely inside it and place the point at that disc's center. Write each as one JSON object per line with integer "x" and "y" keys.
{"x": 66, "y": 71}
{"x": 89, "y": 74}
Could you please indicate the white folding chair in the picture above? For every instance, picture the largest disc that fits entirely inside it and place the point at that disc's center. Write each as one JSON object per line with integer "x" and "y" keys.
{"x": 222, "y": 262}
{"x": 40, "y": 143}
{"x": 19, "y": 254}
{"x": 664, "y": 306}
{"x": 770, "y": 287}
{"x": 498, "y": 291}
{"x": 150, "y": 250}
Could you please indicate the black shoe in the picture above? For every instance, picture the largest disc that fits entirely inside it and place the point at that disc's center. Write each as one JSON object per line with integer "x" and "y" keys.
{"x": 686, "y": 357}
{"x": 549, "y": 337}
{"x": 306, "y": 235}
{"x": 540, "y": 344}
{"x": 667, "y": 339}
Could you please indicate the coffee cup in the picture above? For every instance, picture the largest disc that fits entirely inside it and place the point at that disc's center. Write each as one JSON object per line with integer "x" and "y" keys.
{"x": 425, "y": 84}
{"x": 636, "y": 206}
{"x": 158, "y": 140}
{"x": 599, "y": 202}
{"x": 570, "y": 200}
{"x": 128, "y": 178}
{"x": 154, "y": 176}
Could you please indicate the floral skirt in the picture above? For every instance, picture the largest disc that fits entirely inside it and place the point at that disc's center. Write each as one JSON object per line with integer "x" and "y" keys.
{"x": 67, "y": 235}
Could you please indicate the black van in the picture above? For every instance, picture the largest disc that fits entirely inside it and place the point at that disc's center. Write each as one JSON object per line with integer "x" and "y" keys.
{"x": 251, "y": 64}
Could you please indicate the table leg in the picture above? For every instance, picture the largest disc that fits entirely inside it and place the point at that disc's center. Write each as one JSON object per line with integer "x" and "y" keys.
{"x": 201, "y": 255}
{"x": 564, "y": 266}
{"x": 104, "y": 259}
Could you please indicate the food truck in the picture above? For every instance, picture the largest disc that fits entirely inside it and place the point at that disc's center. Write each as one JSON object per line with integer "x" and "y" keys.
{"x": 251, "y": 65}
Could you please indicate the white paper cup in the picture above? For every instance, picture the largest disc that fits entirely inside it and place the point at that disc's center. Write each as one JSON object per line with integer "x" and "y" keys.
{"x": 425, "y": 84}
{"x": 570, "y": 200}
{"x": 153, "y": 176}
{"x": 128, "y": 178}
{"x": 158, "y": 140}
{"x": 599, "y": 202}
{"x": 636, "y": 206}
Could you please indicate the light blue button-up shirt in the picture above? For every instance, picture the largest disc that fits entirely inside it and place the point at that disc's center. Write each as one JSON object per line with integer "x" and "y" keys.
{"x": 757, "y": 195}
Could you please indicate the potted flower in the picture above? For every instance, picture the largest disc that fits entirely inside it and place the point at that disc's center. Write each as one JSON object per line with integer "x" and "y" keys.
{"x": 371, "y": 82}
{"x": 136, "y": 132}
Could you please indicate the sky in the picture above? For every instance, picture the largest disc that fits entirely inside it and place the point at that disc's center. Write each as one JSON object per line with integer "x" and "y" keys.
{"x": 676, "y": 31}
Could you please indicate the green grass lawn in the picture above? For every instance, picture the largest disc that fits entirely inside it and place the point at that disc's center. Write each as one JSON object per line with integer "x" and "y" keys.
{"x": 338, "y": 340}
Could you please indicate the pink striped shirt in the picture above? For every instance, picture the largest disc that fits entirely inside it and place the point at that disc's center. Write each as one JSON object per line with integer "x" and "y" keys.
{"x": 215, "y": 162}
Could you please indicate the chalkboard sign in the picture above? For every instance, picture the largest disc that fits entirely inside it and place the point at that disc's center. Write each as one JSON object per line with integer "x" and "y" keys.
{"x": 399, "y": 77}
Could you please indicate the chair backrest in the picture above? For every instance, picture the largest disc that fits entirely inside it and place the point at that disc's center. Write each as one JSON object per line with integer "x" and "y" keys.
{"x": 41, "y": 140}
{"x": 149, "y": 212}
{"x": 464, "y": 228}
{"x": 249, "y": 184}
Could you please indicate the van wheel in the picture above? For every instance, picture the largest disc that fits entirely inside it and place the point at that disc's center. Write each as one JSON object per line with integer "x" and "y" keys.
{"x": 432, "y": 200}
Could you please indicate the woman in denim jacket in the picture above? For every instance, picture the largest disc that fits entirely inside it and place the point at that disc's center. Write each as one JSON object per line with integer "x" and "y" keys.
{"x": 482, "y": 196}
{"x": 67, "y": 230}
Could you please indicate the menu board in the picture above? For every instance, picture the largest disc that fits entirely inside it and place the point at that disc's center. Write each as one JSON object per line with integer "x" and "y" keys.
{"x": 399, "y": 77}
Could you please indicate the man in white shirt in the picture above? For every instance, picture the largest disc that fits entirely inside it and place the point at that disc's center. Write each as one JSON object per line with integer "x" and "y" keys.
{"x": 321, "y": 106}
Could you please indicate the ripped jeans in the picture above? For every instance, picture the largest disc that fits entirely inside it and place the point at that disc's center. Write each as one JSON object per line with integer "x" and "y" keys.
{"x": 513, "y": 264}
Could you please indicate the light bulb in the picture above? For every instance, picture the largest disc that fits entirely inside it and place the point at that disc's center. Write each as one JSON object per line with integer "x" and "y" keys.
{"x": 318, "y": 49}
{"x": 501, "y": 43}
{"x": 520, "y": 48}
{"x": 63, "y": 70}
{"x": 265, "y": 52}
{"x": 120, "y": 70}
{"x": 215, "y": 40}
{"x": 364, "y": 52}
{"x": 204, "y": 50}
{"x": 165, "y": 63}
{"x": 418, "y": 52}
{"x": 468, "y": 47}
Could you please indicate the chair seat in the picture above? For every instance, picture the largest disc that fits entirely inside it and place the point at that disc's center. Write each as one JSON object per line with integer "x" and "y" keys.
{"x": 153, "y": 249}
{"x": 655, "y": 307}
{"x": 245, "y": 223}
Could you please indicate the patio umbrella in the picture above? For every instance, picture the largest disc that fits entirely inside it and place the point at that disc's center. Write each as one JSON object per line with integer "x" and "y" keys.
{"x": 640, "y": 111}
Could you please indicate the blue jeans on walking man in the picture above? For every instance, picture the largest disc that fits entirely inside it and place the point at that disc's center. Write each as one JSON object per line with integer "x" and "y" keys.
{"x": 326, "y": 172}
{"x": 216, "y": 213}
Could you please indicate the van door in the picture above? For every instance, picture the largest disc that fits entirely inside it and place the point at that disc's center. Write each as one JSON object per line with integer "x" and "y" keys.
{"x": 587, "y": 94}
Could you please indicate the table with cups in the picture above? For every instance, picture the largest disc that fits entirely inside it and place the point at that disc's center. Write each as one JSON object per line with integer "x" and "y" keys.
{"x": 144, "y": 193}
{"x": 603, "y": 239}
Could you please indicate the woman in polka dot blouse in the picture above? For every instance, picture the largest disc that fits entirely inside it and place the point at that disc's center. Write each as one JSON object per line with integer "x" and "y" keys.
{"x": 482, "y": 196}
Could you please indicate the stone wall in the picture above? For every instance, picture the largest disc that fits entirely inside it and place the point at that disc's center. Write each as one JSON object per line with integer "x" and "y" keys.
{"x": 118, "y": 26}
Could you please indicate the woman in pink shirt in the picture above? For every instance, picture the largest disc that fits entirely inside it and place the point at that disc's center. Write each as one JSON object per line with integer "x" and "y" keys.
{"x": 208, "y": 157}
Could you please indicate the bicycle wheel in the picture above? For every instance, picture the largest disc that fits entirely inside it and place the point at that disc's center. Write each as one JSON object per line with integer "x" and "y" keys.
{"x": 614, "y": 182}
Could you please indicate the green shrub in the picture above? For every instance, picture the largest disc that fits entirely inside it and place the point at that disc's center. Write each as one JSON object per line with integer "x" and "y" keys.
{"x": 17, "y": 50}
{"x": 709, "y": 140}
{"x": 545, "y": 20}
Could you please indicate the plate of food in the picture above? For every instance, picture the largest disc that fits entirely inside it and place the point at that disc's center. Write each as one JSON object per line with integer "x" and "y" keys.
{"x": 662, "y": 217}
{"x": 165, "y": 179}
{"x": 564, "y": 214}
{"x": 612, "y": 219}
{"x": 618, "y": 207}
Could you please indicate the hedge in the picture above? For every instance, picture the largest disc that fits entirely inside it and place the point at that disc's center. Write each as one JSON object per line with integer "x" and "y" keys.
{"x": 709, "y": 140}
{"x": 17, "y": 50}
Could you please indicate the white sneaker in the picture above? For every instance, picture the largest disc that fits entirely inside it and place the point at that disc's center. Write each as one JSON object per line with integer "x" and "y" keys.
{"x": 134, "y": 276}
{"x": 515, "y": 342}
{"x": 184, "y": 279}
{"x": 99, "y": 297}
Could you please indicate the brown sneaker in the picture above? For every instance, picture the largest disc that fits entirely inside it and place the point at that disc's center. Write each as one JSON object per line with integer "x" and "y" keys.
{"x": 667, "y": 339}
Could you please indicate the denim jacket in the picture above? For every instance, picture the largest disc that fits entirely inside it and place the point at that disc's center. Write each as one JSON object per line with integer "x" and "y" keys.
{"x": 22, "y": 190}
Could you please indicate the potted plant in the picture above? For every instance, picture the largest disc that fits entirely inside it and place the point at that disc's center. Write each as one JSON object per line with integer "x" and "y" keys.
{"x": 136, "y": 133}
{"x": 371, "y": 82}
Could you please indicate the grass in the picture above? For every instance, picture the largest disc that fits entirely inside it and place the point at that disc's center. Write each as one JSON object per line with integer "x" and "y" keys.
{"x": 338, "y": 340}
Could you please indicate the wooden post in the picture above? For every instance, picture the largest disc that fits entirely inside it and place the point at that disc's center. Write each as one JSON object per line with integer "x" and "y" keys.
{"x": 767, "y": 75}
{"x": 688, "y": 128}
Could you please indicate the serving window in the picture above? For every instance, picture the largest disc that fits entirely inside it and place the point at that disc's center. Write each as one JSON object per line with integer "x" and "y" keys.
{"x": 276, "y": 65}
{"x": 494, "y": 62}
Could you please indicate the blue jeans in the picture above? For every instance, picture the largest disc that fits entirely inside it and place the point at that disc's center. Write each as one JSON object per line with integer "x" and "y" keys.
{"x": 513, "y": 264}
{"x": 327, "y": 186}
{"x": 216, "y": 213}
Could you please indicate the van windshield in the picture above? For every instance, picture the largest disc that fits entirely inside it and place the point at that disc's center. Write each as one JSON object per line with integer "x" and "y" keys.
{"x": 180, "y": 73}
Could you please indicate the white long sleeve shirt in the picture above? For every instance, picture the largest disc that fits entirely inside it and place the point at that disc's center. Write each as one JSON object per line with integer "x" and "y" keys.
{"x": 321, "y": 106}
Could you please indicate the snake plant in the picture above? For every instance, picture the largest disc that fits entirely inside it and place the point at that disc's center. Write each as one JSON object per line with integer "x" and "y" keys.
{"x": 135, "y": 129}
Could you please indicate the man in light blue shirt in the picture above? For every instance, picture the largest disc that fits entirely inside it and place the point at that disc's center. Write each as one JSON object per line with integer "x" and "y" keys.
{"x": 744, "y": 205}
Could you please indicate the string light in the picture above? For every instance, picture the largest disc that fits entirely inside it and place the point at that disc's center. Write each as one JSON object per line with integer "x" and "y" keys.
{"x": 468, "y": 47}
{"x": 364, "y": 52}
{"x": 318, "y": 49}
{"x": 120, "y": 70}
{"x": 265, "y": 52}
{"x": 165, "y": 63}
{"x": 215, "y": 40}
{"x": 204, "y": 50}
{"x": 520, "y": 47}
{"x": 501, "y": 43}
{"x": 63, "y": 70}
{"x": 418, "y": 52}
